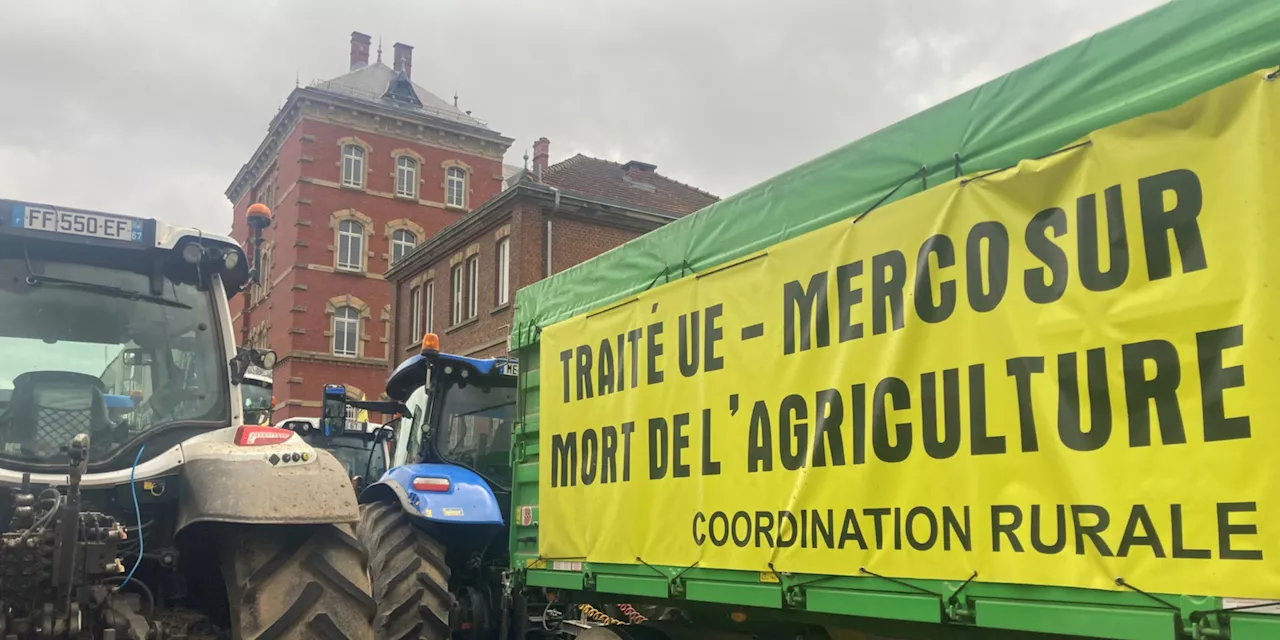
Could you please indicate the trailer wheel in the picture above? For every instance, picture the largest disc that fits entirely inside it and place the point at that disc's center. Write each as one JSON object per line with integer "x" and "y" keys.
{"x": 287, "y": 582}
{"x": 409, "y": 574}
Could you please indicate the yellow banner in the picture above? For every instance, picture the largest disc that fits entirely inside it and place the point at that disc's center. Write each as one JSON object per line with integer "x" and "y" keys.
{"x": 1063, "y": 373}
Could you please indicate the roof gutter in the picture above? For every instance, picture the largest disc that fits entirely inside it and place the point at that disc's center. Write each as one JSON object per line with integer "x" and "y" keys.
{"x": 424, "y": 252}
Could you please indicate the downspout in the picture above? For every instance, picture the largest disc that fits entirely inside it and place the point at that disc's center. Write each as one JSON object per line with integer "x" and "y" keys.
{"x": 554, "y": 209}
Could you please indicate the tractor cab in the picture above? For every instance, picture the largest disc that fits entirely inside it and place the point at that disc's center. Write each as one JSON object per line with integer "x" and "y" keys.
{"x": 363, "y": 447}
{"x": 459, "y": 411}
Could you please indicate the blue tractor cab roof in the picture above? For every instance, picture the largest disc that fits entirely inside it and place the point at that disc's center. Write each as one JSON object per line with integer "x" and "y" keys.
{"x": 409, "y": 375}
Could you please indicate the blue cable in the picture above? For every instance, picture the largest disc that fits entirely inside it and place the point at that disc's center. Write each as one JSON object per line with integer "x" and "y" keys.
{"x": 134, "y": 488}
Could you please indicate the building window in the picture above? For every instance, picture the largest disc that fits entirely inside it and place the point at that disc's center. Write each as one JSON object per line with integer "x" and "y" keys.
{"x": 353, "y": 166}
{"x": 402, "y": 242}
{"x": 455, "y": 315}
{"x": 415, "y": 312}
{"x": 260, "y": 290}
{"x": 346, "y": 331}
{"x": 406, "y": 177}
{"x": 456, "y": 183}
{"x": 350, "y": 245}
{"x": 504, "y": 271}
{"x": 429, "y": 306}
{"x": 473, "y": 278}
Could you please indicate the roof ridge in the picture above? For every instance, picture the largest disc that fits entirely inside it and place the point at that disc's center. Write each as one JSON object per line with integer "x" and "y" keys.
{"x": 567, "y": 162}
{"x": 621, "y": 164}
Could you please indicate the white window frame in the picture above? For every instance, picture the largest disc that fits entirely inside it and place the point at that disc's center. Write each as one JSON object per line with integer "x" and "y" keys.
{"x": 473, "y": 289}
{"x": 504, "y": 271}
{"x": 407, "y": 177}
{"x": 350, "y": 237}
{"x": 415, "y": 312}
{"x": 350, "y": 326}
{"x": 455, "y": 275}
{"x": 455, "y": 182}
{"x": 353, "y": 158}
{"x": 404, "y": 246}
{"x": 429, "y": 306}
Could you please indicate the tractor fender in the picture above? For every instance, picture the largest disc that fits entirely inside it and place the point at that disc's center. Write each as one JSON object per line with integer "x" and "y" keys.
{"x": 286, "y": 483}
{"x": 468, "y": 501}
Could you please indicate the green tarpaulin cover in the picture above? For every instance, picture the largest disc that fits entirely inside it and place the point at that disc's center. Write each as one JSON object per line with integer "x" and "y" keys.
{"x": 1150, "y": 63}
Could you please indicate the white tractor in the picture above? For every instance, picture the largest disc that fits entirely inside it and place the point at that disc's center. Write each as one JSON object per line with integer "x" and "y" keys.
{"x": 139, "y": 504}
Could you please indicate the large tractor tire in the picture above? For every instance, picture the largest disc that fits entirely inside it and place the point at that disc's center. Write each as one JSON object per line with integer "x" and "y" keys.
{"x": 409, "y": 573}
{"x": 287, "y": 582}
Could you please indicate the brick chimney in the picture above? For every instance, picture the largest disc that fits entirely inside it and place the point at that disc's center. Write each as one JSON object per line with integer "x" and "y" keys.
{"x": 635, "y": 167}
{"x": 541, "y": 154}
{"x": 359, "y": 50}
{"x": 403, "y": 59}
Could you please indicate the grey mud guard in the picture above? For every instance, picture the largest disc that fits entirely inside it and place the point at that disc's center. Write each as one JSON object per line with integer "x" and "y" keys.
{"x": 244, "y": 486}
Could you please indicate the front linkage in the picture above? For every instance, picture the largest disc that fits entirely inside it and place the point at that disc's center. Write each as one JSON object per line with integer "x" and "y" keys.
{"x": 60, "y": 574}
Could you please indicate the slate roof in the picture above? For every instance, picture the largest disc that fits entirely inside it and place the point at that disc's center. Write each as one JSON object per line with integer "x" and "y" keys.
{"x": 372, "y": 82}
{"x": 634, "y": 183}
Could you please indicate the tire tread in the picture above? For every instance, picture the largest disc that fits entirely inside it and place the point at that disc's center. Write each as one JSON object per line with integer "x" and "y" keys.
{"x": 313, "y": 583}
{"x": 409, "y": 575}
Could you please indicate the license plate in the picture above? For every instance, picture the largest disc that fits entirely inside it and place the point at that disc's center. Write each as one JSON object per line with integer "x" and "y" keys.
{"x": 509, "y": 368}
{"x": 78, "y": 223}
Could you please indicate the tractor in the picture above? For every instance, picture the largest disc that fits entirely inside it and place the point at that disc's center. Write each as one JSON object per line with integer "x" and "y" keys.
{"x": 447, "y": 491}
{"x": 140, "y": 503}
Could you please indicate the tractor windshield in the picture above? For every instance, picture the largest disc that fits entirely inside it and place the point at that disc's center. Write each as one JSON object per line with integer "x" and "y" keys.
{"x": 475, "y": 427}
{"x": 356, "y": 452}
{"x": 257, "y": 401}
{"x": 105, "y": 351}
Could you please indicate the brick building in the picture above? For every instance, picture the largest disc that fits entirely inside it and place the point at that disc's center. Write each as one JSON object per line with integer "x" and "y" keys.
{"x": 461, "y": 283}
{"x": 357, "y": 171}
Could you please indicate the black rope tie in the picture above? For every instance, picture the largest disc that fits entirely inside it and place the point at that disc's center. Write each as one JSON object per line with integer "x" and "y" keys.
{"x": 655, "y": 569}
{"x": 955, "y": 597}
{"x": 919, "y": 173}
{"x": 864, "y": 571}
{"x": 956, "y": 158}
{"x": 1120, "y": 582}
{"x": 775, "y": 573}
{"x": 682, "y": 571}
{"x": 1079, "y": 145}
{"x": 1274, "y": 74}
{"x": 685, "y": 266}
{"x": 655, "y": 278}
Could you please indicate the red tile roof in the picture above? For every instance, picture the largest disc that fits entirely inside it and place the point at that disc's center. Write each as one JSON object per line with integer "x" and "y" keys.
{"x": 632, "y": 184}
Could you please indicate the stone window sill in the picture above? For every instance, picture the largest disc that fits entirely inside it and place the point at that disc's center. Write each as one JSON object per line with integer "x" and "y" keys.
{"x": 465, "y": 323}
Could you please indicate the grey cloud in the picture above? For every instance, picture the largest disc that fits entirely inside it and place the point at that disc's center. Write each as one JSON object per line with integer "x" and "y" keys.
{"x": 150, "y": 107}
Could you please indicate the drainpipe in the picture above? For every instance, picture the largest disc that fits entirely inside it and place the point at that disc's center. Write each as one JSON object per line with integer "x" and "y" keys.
{"x": 554, "y": 209}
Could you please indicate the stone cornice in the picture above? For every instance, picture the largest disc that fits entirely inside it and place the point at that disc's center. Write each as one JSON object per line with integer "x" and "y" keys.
{"x": 308, "y": 102}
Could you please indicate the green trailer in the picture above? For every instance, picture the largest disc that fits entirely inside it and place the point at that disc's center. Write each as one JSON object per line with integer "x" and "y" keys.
{"x": 1194, "y": 78}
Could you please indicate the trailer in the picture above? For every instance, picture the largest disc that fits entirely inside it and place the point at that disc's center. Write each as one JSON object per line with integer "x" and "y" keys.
{"x": 1000, "y": 368}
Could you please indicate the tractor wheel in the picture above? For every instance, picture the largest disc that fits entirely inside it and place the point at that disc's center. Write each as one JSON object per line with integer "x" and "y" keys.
{"x": 287, "y": 582}
{"x": 409, "y": 574}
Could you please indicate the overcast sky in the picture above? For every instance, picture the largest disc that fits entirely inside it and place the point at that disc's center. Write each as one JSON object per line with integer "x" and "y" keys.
{"x": 151, "y": 107}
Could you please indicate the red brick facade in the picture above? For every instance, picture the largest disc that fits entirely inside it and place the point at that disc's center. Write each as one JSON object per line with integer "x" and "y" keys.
{"x": 583, "y": 225}
{"x": 299, "y": 172}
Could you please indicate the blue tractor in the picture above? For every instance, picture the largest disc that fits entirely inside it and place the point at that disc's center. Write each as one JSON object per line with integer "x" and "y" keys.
{"x": 434, "y": 524}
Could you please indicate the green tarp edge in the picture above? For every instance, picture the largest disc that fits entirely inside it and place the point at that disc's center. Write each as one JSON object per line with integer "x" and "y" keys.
{"x": 1150, "y": 63}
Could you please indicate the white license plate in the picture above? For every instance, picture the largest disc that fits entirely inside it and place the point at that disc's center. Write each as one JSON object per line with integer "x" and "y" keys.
{"x": 509, "y": 368}
{"x": 78, "y": 223}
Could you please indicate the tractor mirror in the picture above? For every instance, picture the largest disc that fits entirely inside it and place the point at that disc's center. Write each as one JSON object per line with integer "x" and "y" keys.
{"x": 137, "y": 357}
{"x": 334, "y": 412}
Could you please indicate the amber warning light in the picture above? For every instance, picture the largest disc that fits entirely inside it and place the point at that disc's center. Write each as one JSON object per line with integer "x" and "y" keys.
{"x": 258, "y": 215}
{"x": 431, "y": 342}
